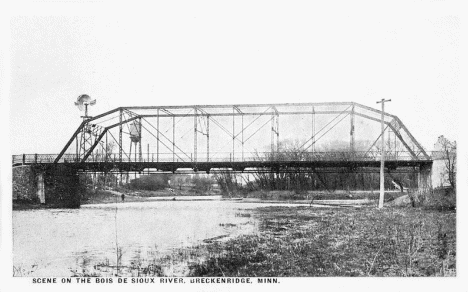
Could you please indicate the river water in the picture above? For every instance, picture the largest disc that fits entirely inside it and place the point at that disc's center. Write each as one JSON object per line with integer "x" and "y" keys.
{"x": 95, "y": 239}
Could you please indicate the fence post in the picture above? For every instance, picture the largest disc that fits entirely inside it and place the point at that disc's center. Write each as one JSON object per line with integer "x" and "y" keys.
{"x": 35, "y": 158}
{"x": 24, "y": 158}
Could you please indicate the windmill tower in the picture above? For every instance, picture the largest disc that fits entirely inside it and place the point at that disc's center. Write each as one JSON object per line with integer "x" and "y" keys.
{"x": 86, "y": 138}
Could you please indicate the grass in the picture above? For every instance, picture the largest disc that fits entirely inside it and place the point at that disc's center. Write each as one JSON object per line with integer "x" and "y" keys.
{"x": 322, "y": 195}
{"x": 305, "y": 241}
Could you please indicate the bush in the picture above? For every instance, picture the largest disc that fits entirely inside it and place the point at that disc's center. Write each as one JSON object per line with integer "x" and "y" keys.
{"x": 227, "y": 182}
{"x": 441, "y": 199}
{"x": 201, "y": 184}
{"x": 150, "y": 182}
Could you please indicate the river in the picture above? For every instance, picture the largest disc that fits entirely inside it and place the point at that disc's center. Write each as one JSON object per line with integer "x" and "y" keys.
{"x": 108, "y": 239}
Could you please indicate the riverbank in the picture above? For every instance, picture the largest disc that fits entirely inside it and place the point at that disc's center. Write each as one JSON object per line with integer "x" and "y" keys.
{"x": 115, "y": 196}
{"x": 111, "y": 196}
{"x": 320, "y": 195}
{"x": 303, "y": 241}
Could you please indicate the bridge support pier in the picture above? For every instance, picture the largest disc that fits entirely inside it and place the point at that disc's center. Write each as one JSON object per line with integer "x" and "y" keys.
{"x": 40, "y": 188}
{"x": 425, "y": 178}
{"x": 61, "y": 186}
{"x": 52, "y": 185}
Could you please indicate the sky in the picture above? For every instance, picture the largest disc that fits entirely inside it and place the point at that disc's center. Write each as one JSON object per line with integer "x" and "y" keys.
{"x": 252, "y": 52}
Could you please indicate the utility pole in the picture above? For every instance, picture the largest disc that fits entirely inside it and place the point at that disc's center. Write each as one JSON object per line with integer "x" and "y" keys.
{"x": 382, "y": 156}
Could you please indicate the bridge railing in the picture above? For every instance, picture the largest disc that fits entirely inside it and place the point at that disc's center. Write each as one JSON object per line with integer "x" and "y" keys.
{"x": 216, "y": 157}
{"x": 39, "y": 158}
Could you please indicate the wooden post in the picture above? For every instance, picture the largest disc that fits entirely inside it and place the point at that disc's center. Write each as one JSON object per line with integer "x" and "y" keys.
{"x": 382, "y": 157}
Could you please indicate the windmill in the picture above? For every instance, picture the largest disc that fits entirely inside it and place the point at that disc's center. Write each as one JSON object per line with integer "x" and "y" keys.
{"x": 83, "y": 102}
{"x": 87, "y": 133}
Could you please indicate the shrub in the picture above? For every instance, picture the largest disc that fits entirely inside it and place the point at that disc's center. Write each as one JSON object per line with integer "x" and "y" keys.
{"x": 441, "y": 199}
{"x": 201, "y": 184}
{"x": 150, "y": 182}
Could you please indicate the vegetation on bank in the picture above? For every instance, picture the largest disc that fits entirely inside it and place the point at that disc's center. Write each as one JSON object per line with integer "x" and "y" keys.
{"x": 303, "y": 241}
{"x": 314, "y": 242}
{"x": 416, "y": 240}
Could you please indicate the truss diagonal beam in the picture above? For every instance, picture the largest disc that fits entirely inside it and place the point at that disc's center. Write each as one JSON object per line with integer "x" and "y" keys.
{"x": 411, "y": 137}
{"x": 94, "y": 146}
{"x": 311, "y": 138}
{"x": 165, "y": 144}
{"x": 166, "y": 139}
{"x": 394, "y": 130}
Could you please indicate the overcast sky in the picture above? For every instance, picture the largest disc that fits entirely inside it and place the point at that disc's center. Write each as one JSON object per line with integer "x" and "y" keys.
{"x": 244, "y": 52}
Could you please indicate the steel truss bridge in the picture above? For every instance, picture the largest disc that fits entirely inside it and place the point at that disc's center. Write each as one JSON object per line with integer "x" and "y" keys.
{"x": 294, "y": 137}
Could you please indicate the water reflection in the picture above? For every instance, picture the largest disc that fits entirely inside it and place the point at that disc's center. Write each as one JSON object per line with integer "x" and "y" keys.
{"x": 132, "y": 239}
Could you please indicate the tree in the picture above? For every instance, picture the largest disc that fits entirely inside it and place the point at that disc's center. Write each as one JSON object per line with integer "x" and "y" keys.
{"x": 448, "y": 152}
{"x": 201, "y": 185}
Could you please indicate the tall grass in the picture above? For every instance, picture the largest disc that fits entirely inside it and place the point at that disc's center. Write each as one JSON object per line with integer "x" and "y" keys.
{"x": 344, "y": 242}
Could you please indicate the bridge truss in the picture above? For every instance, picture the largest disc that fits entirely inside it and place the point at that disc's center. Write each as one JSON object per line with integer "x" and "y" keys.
{"x": 336, "y": 136}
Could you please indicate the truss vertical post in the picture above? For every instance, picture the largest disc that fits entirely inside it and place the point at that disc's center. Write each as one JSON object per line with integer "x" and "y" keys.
{"x": 173, "y": 138}
{"x": 120, "y": 136}
{"x": 195, "y": 142}
{"x": 148, "y": 153}
{"x": 157, "y": 137}
{"x": 272, "y": 136}
{"x": 352, "y": 139}
{"x": 313, "y": 129}
{"x": 120, "y": 144}
{"x": 242, "y": 120}
{"x": 208, "y": 138}
{"x": 389, "y": 139}
{"x": 107, "y": 148}
{"x": 77, "y": 153}
{"x": 139, "y": 132}
{"x": 233, "y": 135}
{"x": 277, "y": 132}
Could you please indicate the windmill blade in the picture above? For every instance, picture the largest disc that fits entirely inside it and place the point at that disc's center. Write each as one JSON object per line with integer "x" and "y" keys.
{"x": 83, "y": 100}
{"x": 79, "y": 105}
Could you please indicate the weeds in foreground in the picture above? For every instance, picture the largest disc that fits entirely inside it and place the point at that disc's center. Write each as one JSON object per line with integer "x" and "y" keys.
{"x": 345, "y": 242}
{"x": 303, "y": 241}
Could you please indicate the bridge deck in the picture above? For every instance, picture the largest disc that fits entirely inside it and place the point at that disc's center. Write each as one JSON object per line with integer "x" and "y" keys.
{"x": 268, "y": 166}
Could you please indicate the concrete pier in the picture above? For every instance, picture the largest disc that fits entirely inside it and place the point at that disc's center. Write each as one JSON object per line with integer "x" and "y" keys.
{"x": 425, "y": 178}
{"x": 40, "y": 188}
{"x": 52, "y": 185}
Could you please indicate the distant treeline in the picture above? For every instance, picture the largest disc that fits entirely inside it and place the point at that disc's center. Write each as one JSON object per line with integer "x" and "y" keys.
{"x": 299, "y": 182}
{"x": 151, "y": 182}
